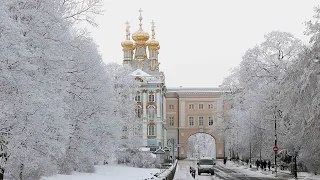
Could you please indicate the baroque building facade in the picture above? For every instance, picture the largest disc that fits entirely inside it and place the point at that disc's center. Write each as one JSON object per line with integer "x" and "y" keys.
{"x": 169, "y": 115}
{"x": 150, "y": 96}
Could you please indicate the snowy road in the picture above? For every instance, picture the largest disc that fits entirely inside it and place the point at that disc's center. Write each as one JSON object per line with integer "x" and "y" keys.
{"x": 221, "y": 172}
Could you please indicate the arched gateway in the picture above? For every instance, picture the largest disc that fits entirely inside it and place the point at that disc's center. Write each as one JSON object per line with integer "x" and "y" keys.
{"x": 190, "y": 111}
{"x": 201, "y": 145}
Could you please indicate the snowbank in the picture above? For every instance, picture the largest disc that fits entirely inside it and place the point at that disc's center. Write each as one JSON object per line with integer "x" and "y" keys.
{"x": 113, "y": 171}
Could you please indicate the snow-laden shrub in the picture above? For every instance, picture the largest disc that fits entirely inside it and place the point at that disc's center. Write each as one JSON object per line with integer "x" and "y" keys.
{"x": 136, "y": 158}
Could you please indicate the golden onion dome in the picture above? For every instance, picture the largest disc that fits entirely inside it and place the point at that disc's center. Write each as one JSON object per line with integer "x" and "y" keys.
{"x": 153, "y": 44}
{"x": 140, "y": 36}
{"x": 127, "y": 44}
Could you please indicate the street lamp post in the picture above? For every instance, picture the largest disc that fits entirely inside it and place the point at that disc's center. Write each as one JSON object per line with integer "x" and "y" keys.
{"x": 172, "y": 148}
{"x": 275, "y": 139}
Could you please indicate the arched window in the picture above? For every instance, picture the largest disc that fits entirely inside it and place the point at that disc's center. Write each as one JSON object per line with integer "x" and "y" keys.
{"x": 138, "y": 112}
{"x": 151, "y": 112}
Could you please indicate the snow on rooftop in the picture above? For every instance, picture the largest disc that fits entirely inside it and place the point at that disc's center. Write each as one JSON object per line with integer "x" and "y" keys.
{"x": 139, "y": 72}
{"x": 144, "y": 149}
{"x": 191, "y": 89}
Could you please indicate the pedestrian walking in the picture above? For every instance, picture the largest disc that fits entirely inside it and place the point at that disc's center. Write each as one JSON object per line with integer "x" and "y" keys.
{"x": 265, "y": 165}
{"x": 269, "y": 164}
{"x": 257, "y": 164}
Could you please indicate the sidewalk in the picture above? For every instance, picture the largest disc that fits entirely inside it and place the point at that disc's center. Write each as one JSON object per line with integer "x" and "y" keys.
{"x": 280, "y": 173}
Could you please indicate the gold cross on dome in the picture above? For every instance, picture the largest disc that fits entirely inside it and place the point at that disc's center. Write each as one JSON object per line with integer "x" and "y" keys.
{"x": 152, "y": 28}
{"x": 140, "y": 17}
{"x": 140, "y": 11}
{"x": 127, "y": 29}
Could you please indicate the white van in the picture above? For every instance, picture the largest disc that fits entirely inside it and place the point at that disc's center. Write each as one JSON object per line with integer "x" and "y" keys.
{"x": 206, "y": 165}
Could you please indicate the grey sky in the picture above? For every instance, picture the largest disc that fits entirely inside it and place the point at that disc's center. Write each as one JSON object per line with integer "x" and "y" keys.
{"x": 200, "y": 40}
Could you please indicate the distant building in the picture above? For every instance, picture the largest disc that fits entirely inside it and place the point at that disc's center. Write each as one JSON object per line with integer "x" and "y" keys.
{"x": 168, "y": 113}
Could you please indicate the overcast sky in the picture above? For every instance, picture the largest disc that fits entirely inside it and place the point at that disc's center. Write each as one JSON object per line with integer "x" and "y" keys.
{"x": 200, "y": 40}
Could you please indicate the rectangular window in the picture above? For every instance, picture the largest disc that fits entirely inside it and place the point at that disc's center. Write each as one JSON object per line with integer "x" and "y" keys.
{"x": 138, "y": 112}
{"x": 200, "y": 106}
{"x": 191, "y": 106}
{"x": 200, "y": 120}
{"x": 151, "y": 97}
{"x": 191, "y": 121}
{"x": 210, "y": 106}
{"x": 151, "y": 130}
{"x": 171, "y": 121}
{"x": 137, "y": 98}
{"x": 210, "y": 121}
{"x": 171, "y": 106}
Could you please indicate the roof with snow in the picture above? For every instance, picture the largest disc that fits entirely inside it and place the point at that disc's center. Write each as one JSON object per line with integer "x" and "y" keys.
{"x": 197, "y": 90}
{"x": 139, "y": 72}
{"x": 159, "y": 151}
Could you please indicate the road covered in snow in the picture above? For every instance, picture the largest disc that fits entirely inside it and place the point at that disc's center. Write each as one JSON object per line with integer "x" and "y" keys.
{"x": 227, "y": 172}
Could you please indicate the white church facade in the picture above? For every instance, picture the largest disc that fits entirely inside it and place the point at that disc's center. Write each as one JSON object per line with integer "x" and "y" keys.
{"x": 169, "y": 116}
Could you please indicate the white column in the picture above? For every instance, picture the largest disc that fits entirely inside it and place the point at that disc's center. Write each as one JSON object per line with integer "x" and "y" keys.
{"x": 164, "y": 116}
{"x": 182, "y": 113}
{"x": 144, "y": 119}
{"x": 165, "y": 137}
{"x": 164, "y": 105}
{"x": 159, "y": 121}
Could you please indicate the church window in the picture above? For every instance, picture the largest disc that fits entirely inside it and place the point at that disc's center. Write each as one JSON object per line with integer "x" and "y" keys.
{"x": 151, "y": 130}
{"x": 171, "y": 106}
{"x": 138, "y": 112}
{"x": 151, "y": 113}
{"x": 200, "y": 106}
{"x": 171, "y": 121}
{"x": 191, "y": 121}
{"x": 210, "y": 121}
{"x": 191, "y": 106}
{"x": 200, "y": 120}
{"x": 137, "y": 98}
{"x": 151, "y": 97}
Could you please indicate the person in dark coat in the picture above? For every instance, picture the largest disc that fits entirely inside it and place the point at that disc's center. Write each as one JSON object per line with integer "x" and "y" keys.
{"x": 257, "y": 164}
{"x": 265, "y": 165}
{"x": 269, "y": 164}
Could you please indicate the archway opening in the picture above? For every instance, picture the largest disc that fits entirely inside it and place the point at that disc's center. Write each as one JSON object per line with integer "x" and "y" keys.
{"x": 201, "y": 145}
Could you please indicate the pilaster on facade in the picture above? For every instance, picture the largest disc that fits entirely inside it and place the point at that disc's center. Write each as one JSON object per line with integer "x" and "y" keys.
{"x": 144, "y": 119}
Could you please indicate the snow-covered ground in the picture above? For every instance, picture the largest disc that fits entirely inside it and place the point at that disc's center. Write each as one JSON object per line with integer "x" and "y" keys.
{"x": 245, "y": 169}
{"x": 113, "y": 171}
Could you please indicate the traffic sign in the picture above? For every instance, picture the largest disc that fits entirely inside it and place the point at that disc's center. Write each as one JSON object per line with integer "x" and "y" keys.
{"x": 275, "y": 149}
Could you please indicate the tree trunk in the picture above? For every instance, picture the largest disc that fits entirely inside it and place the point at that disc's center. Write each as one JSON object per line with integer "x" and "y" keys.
{"x": 21, "y": 172}
{"x": 1, "y": 173}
